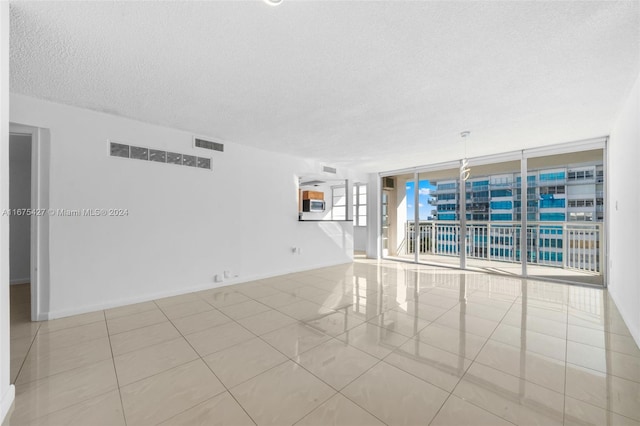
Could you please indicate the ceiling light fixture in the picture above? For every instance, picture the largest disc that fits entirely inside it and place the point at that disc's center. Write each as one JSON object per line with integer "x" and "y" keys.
{"x": 273, "y": 2}
{"x": 465, "y": 170}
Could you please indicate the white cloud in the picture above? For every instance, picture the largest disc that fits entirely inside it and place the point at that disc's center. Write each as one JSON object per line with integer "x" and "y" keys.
{"x": 425, "y": 191}
{"x": 407, "y": 187}
{"x": 421, "y": 205}
{"x": 410, "y": 205}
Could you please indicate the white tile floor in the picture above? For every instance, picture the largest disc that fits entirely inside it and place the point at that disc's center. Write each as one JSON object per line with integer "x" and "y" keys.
{"x": 369, "y": 343}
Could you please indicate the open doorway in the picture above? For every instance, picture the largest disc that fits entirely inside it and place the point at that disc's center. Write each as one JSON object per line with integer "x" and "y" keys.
{"x": 29, "y": 162}
{"x": 20, "y": 258}
{"x": 29, "y": 219}
{"x": 20, "y": 151}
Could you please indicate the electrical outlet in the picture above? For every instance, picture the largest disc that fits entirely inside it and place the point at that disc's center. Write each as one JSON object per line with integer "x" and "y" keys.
{"x": 217, "y": 278}
{"x": 227, "y": 274}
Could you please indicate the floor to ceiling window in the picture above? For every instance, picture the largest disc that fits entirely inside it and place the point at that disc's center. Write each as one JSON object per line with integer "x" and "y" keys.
{"x": 568, "y": 230}
{"x": 560, "y": 204}
{"x": 494, "y": 225}
{"x": 439, "y": 216}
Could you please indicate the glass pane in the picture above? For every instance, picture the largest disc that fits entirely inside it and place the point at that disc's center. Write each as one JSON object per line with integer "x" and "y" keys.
{"x": 494, "y": 207}
{"x": 119, "y": 150}
{"x": 139, "y": 153}
{"x": 189, "y": 160}
{"x": 204, "y": 163}
{"x": 339, "y": 200}
{"x": 385, "y": 222}
{"x": 159, "y": 156}
{"x": 174, "y": 158}
{"x": 438, "y": 232}
{"x": 566, "y": 232}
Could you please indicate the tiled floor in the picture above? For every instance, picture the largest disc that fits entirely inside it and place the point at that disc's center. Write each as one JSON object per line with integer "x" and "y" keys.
{"x": 369, "y": 343}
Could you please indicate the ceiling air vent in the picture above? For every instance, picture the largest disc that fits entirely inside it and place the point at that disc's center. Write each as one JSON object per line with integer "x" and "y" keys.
{"x": 213, "y": 146}
{"x": 388, "y": 183}
{"x": 328, "y": 169}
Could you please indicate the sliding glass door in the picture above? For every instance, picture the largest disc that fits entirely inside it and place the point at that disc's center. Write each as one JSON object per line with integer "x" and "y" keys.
{"x": 494, "y": 223}
{"x": 548, "y": 224}
{"x": 567, "y": 230}
{"x": 439, "y": 217}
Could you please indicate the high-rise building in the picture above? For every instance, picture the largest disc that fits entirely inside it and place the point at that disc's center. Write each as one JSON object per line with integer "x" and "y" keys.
{"x": 555, "y": 198}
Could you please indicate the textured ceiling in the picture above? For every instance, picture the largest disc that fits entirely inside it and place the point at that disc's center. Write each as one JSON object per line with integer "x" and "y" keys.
{"x": 375, "y": 85}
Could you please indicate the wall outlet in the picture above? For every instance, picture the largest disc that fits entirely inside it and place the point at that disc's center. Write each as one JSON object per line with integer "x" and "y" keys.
{"x": 227, "y": 274}
{"x": 217, "y": 278}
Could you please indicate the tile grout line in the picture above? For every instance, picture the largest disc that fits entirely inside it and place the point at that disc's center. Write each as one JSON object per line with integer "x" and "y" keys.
{"x": 380, "y": 360}
{"x": 283, "y": 362}
{"x": 115, "y": 370}
{"x": 201, "y": 358}
{"x": 566, "y": 362}
{"x": 26, "y": 355}
{"x": 472, "y": 362}
{"x": 302, "y": 366}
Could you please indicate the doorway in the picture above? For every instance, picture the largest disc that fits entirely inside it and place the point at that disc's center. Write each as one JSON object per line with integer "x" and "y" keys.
{"x": 29, "y": 160}
{"x": 22, "y": 330}
{"x": 20, "y": 208}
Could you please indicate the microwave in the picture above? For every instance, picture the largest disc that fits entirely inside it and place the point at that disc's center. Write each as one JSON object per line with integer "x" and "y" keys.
{"x": 312, "y": 205}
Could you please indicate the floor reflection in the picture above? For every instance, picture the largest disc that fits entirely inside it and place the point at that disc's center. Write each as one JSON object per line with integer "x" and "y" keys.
{"x": 372, "y": 342}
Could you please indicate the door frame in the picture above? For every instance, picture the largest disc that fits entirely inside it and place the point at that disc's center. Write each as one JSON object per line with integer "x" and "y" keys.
{"x": 39, "y": 259}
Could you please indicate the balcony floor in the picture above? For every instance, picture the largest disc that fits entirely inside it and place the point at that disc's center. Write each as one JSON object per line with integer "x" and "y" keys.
{"x": 508, "y": 268}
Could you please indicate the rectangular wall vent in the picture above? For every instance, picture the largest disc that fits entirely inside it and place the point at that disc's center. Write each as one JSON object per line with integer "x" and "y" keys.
{"x": 139, "y": 153}
{"x": 174, "y": 158}
{"x": 388, "y": 183}
{"x": 119, "y": 150}
{"x": 328, "y": 169}
{"x": 158, "y": 156}
{"x": 213, "y": 146}
{"x": 189, "y": 160}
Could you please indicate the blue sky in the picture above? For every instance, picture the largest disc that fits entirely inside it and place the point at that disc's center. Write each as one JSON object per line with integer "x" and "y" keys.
{"x": 425, "y": 188}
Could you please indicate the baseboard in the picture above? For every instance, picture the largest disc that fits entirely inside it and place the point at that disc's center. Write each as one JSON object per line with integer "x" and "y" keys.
{"x": 169, "y": 293}
{"x": 628, "y": 318}
{"x": 7, "y": 402}
{"x": 20, "y": 281}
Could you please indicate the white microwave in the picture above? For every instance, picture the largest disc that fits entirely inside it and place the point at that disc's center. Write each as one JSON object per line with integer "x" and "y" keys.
{"x": 312, "y": 206}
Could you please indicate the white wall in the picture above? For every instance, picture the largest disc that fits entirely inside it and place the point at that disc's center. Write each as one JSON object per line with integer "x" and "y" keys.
{"x": 20, "y": 198}
{"x": 623, "y": 205}
{"x": 360, "y": 238}
{"x": 184, "y": 225}
{"x": 7, "y": 391}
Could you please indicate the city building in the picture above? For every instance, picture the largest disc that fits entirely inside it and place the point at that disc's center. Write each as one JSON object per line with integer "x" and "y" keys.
{"x": 560, "y": 195}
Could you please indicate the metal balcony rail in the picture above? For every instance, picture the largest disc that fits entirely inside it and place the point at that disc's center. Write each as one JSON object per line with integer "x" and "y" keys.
{"x": 576, "y": 246}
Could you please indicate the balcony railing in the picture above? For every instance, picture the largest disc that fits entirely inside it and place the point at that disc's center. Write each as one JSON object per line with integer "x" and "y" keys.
{"x": 556, "y": 244}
